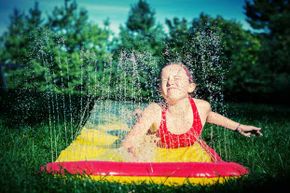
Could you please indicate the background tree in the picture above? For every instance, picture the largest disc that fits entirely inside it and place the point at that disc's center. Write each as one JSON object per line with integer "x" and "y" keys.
{"x": 141, "y": 32}
{"x": 141, "y": 36}
{"x": 199, "y": 49}
{"x": 14, "y": 52}
{"x": 84, "y": 47}
{"x": 15, "y": 40}
{"x": 239, "y": 55}
{"x": 59, "y": 60}
{"x": 141, "y": 18}
{"x": 66, "y": 54}
{"x": 272, "y": 19}
{"x": 221, "y": 54}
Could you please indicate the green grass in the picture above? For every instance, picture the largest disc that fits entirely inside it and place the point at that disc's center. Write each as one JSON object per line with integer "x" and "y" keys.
{"x": 24, "y": 149}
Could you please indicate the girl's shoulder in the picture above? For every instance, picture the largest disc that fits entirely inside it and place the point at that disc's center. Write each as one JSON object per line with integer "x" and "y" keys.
{"x": 152, "y": 110}
{"x": 153, "y": 114}
{"x": 157, "y": 106}
{"x": 202, "y": 104}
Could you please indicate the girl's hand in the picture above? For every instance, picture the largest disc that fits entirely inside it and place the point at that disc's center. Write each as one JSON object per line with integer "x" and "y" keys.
{"x": 128, "y": 154}
{"x": 132, "y": 154}
{"x": 248, "y": 130}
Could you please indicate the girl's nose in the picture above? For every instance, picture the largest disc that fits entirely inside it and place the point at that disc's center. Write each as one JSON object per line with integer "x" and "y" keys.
{"x": 170, "y": 81}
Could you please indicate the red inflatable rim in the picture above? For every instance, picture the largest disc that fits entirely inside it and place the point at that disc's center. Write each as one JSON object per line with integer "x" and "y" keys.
{"x": 168, "y": 169}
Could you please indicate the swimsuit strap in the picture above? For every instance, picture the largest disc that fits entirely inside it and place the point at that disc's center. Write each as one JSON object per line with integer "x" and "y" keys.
{"x": 196, "y": 118}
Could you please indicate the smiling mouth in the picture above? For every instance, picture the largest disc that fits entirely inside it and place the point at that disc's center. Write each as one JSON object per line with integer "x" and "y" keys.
{"x": 172, "y": 88}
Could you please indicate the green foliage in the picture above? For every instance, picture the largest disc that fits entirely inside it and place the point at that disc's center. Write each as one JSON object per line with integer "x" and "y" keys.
{"x": 152, "y": 41}
{"x": 272, "y": 18}
{"x": 139, "y": 52}
{"x": 221, "y": 54}
{"x": 136, "y": 78}
{"x": 241, "y": 51}
{"x": 141, "y": 34}
{"x": 77, "y": 32}
{"x": 141, "y": 17}
{"x": 67, "y": 54}
{"x": 199, "y": 49}
{"x": 15, "y": 40}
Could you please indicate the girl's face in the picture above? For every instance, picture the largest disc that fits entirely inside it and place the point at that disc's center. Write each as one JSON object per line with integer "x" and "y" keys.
{"x": 175, "y": 83}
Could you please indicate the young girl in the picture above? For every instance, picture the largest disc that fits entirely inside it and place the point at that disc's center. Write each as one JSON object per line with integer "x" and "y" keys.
{"x": 177, "y": 126}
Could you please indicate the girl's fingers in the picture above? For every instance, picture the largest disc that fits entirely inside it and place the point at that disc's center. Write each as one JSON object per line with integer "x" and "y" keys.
{"x": 259, "y": 133}
{"x": 256, "y": 131}
{"x": 248, "y": 131}
{"x": 255, "y": 128}
{"x": 247, "y": 134}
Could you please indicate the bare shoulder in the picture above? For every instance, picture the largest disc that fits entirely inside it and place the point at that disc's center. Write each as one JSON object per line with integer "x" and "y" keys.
{"x": 153, "y": 107}
{"x": 153, "y": 110}
{"x": 150, "y": 117}
{"x": 202, "y": 104}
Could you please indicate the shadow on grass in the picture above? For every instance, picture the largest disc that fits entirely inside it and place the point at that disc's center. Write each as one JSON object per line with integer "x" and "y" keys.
{"x": 85, "y": 184}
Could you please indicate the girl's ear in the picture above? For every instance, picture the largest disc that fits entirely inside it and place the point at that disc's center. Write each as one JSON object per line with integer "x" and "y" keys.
{"x": 191, "y": 87}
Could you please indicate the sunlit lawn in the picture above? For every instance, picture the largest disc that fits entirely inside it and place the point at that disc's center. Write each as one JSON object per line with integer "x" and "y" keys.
{"x": 25, "y": 148}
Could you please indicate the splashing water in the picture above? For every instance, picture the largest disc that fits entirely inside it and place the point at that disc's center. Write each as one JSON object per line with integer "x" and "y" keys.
{"x": 108, "y": 108}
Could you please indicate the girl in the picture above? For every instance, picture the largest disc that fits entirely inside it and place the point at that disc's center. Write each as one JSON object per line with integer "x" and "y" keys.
{"x": 178, "y": 124}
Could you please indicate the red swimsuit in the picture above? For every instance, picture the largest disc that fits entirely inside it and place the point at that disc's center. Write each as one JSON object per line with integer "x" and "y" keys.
{"x": 170, "y": 140}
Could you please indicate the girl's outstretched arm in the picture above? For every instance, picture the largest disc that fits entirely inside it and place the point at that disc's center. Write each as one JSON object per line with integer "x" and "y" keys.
{"x": 246, "y": 130}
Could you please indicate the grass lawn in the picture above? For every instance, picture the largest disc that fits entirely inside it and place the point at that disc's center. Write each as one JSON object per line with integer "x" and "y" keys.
{"x": 24, "y": 149}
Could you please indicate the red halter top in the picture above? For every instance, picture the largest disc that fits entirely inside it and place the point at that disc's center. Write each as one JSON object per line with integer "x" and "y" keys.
{"x": 170, "y": 140}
